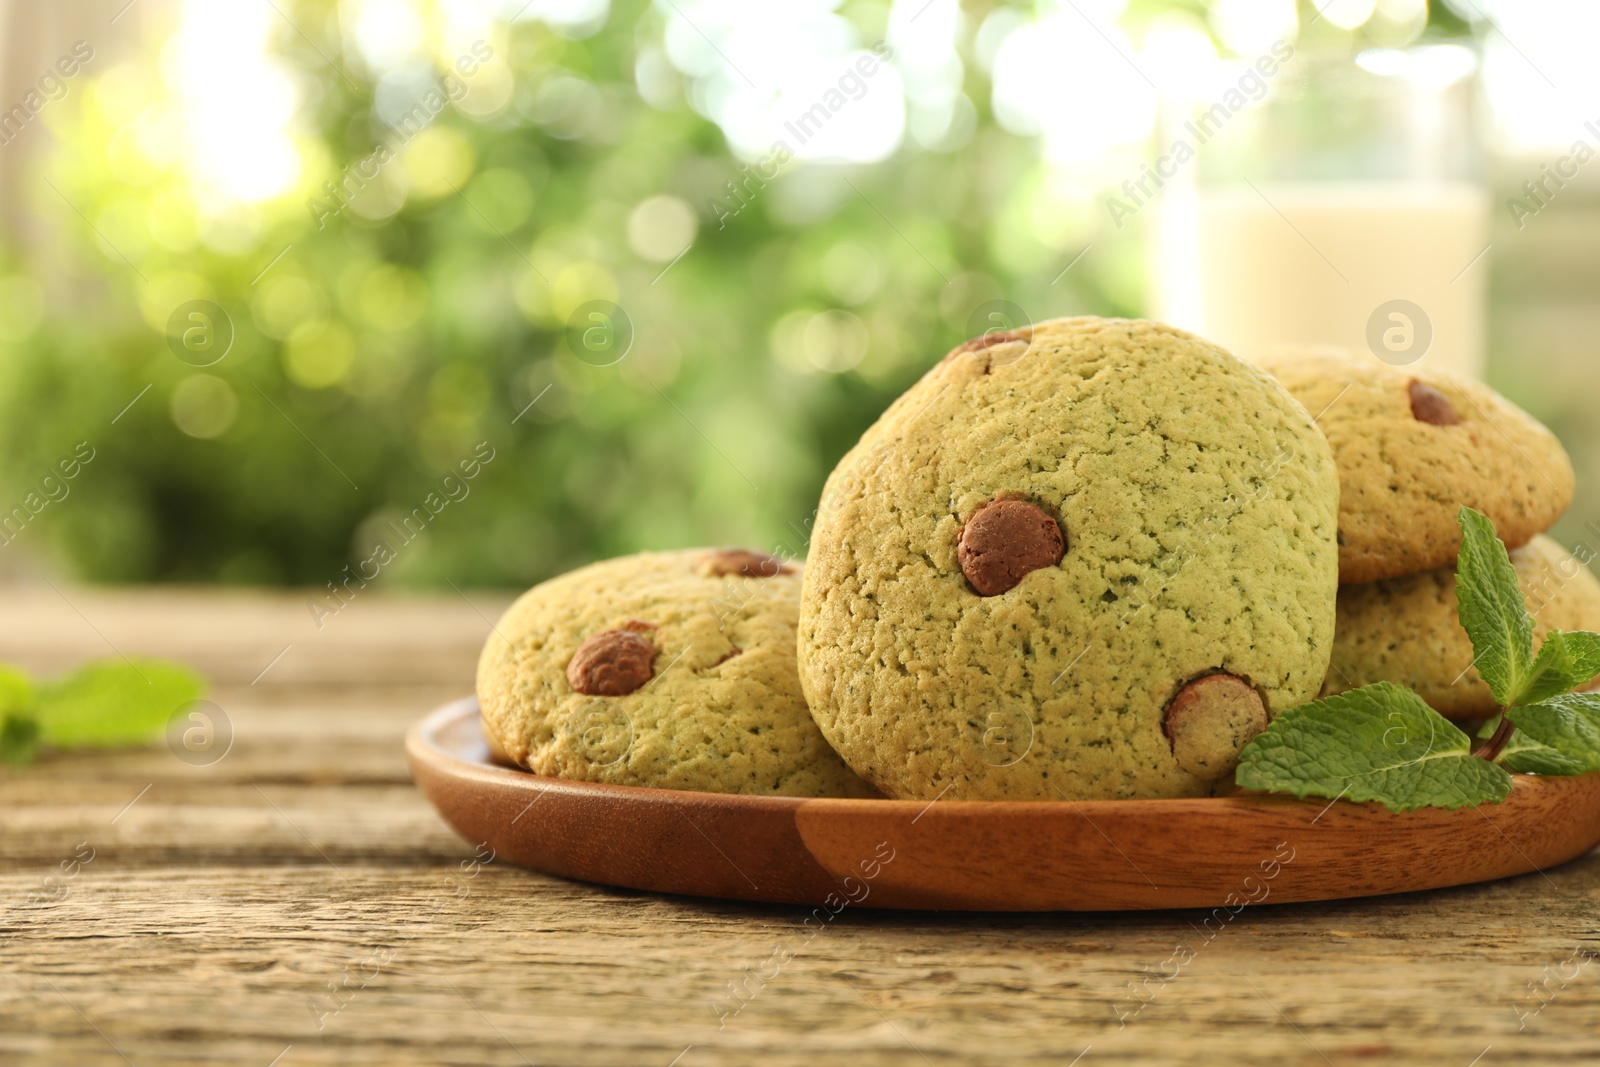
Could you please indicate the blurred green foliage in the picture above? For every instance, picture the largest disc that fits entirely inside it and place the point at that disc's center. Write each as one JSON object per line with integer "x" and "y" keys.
{"x": 448, "y": 314}
{"x": 371, "y": 355}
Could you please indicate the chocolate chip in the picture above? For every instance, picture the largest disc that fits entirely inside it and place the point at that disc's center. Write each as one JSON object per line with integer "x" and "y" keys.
{"x": 1431, "y": 406}
{"x": 987, "y": 340}
{"x": 612, "y": 663}
{"x": 1210, "y": 720}
{"x": 1005, "y": 540}
{"x": 743, "y": 562}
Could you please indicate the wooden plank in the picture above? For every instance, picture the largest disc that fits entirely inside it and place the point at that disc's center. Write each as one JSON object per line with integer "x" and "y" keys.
{"x": 233, "y": 961}
{"x": 219, "y": 906}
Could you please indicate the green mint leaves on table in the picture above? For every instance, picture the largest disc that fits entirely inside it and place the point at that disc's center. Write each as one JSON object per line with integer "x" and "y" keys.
{"x": 1383, "y": 743}
{"x": 112, "y": 703}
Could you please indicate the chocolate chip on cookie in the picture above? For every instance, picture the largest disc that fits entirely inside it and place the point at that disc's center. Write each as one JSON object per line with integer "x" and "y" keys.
{"x": 633, "y": 714}
{"x": 1431, "y": 406}
{"x": 1413, "y": 446}
{"x": 1210, "y": 720}
{"x": 611, "y": 663}
{"x": 1117, "y": 443}
{"x": 989, "y": 340}
{"x": 743, "y": 562}
{"x": 1003, "y": 541}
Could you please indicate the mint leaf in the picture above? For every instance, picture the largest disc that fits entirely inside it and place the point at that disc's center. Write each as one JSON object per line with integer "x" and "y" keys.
{"x": 1564, "y": 661}
{"x": 1551, "y": 672}
{"x": 1569, "y": 725}
{"x": 1379, "y": 742}
{"x": 113, "y": 702}
{"x": 19, "y": 732}
{"x": 19, "y": 737}
{"x": 1527, "y": 756}
{"x": 1492, "y": 610}
{"x": 16, "y": 691}
{"x": 1583, "y": 650}
{"x": 1524, "y": 755}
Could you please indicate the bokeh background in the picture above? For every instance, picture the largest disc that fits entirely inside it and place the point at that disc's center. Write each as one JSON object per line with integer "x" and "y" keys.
{"x": 399, "y": 219}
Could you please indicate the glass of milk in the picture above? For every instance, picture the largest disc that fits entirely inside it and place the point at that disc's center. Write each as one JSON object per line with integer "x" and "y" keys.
{"x": 1348, "y": 208}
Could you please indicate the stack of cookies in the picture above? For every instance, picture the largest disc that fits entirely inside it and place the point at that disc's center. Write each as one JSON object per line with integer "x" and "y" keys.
{"x": 1086, "y": 559}
{"x": 1412, "y": 447}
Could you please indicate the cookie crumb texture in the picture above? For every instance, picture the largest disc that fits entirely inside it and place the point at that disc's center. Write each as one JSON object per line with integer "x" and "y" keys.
{"x": 1198, "y": 505}
{"x": 1405, "y": 630}
{"x": 1414, "y": 445}
{"x": 719, "y": 711}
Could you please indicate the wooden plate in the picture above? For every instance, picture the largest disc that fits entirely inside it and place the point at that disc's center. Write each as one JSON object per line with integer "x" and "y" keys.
{"x": 983, "y": 855}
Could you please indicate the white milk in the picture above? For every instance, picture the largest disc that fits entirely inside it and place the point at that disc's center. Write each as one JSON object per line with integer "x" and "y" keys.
{"x": 1311, "y": 262}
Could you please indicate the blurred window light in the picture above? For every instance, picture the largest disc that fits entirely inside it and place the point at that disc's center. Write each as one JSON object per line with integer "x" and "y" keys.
{"x": 1431, "y": 67}
{"x": 1403, "y": 10}
{"x": 1397, "y": 23}
{"x": 1538, "y": 68}
{"x": 570, "y": 18}
{"x": 1180, "y": 57}
{"x": 1248, "y": 27}
{"x": 658, "y": 81}
{"x": 386, "y": 33}
{"x": 461, "y": 22}
{"x": 790, "y": 74}
{"x": 996, "y": 27}
{"x": 944, "y": 126}
{"x": 1076, "y": 85}
{"x": 235, "y": 103}
{"x": 923, "y": 34}
{"x": 1347, "y": 14}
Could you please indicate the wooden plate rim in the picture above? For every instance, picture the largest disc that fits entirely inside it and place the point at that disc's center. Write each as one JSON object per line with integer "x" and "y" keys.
{"x": 802, "y": 850}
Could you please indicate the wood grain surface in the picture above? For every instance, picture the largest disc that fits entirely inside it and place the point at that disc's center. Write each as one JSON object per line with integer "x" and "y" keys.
{"x": 298, "y": 902}
{"x": 973, "y": 855}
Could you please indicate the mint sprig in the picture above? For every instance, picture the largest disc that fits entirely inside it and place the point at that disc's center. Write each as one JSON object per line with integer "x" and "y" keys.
{"x": 1568, "y": 724}
{"x": 1379, "y": 742}
{"x": 1383, "y": 743}
{"x": 111, "y": 703}
{"x": 1493, "y": 611}
{"x": 1523, "y": 755}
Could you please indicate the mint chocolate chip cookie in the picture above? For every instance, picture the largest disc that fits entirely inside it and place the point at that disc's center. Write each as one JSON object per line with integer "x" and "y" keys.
{"x": 667, "y": 669}
{"x": 1086, "y": 559}
{"x": 1405, "y": 630}
{"x": 1413, "y": 446}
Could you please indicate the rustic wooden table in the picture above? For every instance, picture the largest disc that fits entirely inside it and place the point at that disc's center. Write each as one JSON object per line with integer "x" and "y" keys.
{"x": 298, "y": 902}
